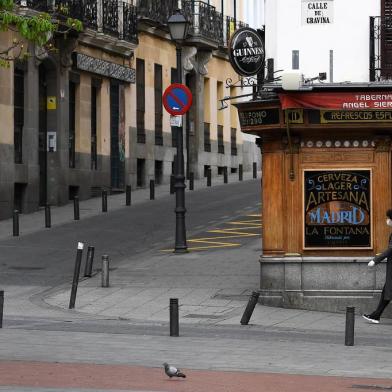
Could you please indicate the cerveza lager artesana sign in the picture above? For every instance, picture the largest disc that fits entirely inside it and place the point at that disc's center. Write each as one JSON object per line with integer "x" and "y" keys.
{"x": 337, "y": 208}
{"x": 246, "y": 52}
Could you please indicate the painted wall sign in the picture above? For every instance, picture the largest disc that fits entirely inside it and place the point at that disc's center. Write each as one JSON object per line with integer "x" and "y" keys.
{"x": 246, "y": 52}
{"x": 317, "y": 12}
{"x": 336, "y": 100}
{"x": 337, "y": 209}
{"x": 104, "y": 68}
{"x": 258, "y": 117}
{"x": 344, "y": 116}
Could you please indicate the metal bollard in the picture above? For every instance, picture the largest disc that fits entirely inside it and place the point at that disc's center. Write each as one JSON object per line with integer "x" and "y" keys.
{"x": 174, "y": 324}
{"x": 15, "y": 223}
{"x": 350, "y": 321}
{"x": 105, "y": 271}
{"x": 208, "y": 177}
{"x": 191, "y": 181}
{"x": 240, "y": 173}
{"x": 78, "y": 262}
{"x": 250, "y": 308}
{"x": 225, "y": 176}
{"x": 254, "y": 170}
{"x": 104, "y": 200}
{"x": 48, "y": 216}
{"x": 89, "y": 261}
{"x": 152, "y": 190}
{"x": 1, "y": 307}
{"x": 76, "y": 208}
{"x": 172, "y": 183}
{"x": 128, "y": 199}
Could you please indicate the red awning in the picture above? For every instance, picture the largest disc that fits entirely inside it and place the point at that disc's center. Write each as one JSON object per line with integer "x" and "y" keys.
{"x": 338, "y": 101}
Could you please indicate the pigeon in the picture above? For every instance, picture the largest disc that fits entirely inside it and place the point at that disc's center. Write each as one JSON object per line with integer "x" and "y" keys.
{"x": 172, "y": 371}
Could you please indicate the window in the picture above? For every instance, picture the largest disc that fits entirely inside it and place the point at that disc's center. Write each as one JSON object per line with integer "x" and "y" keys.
{"x": 233, "y": 139}
{"x": 140, "y": 101}
{"x": 221, "y": 146}
{"x": 295, "y": 59}
{"x": 72, "y": 123}
{"x": 158, "y": 104}
{"x": 18, "y": 113}
{"x": 207, "y": 137}
{"x": 94, "y": 92}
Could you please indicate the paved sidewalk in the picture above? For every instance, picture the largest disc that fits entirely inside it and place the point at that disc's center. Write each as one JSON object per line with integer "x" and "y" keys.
{"x": 33, "y": 222}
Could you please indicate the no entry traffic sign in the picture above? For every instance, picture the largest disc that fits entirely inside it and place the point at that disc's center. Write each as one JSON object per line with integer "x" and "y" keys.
{"x": 177, "y": 99}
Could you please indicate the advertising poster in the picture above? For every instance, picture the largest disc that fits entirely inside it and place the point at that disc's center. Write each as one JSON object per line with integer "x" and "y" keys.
{"x": 337, "y": 208}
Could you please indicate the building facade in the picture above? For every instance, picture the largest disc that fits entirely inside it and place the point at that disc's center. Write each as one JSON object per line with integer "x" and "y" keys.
{"x": 343, "y": 38}
{"x": 88, "y": 116}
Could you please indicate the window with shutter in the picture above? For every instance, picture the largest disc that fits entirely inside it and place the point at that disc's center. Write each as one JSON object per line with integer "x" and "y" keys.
{"x": 140, "y": 101}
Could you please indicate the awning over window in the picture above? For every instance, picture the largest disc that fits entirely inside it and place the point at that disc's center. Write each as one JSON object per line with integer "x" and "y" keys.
{"x": 339, "y": 101}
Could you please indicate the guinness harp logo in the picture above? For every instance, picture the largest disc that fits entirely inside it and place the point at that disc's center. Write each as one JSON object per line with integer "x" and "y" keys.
{"x": 246, "y": 52}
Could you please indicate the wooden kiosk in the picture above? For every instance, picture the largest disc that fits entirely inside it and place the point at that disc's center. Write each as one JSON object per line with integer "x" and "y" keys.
{"x": 326, "y": 185}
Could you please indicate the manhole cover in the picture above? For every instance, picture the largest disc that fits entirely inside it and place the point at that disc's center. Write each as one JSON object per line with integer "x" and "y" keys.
{"x": 27, "y": 268}
{"x": 203, "y": 316}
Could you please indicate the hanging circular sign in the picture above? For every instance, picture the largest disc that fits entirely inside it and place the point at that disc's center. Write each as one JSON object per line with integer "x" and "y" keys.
{"x": 246, "y": 52}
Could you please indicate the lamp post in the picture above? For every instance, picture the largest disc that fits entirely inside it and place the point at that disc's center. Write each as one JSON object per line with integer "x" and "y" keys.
{"x": 178, "y": 27}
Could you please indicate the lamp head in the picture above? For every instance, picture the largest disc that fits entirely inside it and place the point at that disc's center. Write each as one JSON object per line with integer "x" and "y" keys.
{"x": 178, "y": 26}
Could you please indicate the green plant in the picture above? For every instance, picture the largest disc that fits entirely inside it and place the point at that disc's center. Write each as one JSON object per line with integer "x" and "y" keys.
{"x": 36, "y": 28}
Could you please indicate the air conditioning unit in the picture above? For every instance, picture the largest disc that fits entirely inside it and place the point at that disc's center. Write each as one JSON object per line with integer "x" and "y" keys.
{"x": 292, "y": 80}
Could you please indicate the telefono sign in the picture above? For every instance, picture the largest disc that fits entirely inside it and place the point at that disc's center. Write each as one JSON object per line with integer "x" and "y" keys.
{"x": 246, "y": 52}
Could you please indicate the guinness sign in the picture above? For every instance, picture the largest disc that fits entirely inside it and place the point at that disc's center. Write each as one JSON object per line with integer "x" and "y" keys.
{"x": 246, "y": 52}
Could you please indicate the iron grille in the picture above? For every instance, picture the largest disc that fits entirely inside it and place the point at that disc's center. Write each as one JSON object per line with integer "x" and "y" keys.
{"x": 157, "y": 11}
{"x": 380, "y": 56}
{"x": 129, "y": 22}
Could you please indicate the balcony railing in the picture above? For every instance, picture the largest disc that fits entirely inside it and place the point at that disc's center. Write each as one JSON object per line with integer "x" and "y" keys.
{"x": 116, "y": 18}
{"x": 380, "y": 48}
{"x": 205, "y": 21}
{"x": 158, "y": 11}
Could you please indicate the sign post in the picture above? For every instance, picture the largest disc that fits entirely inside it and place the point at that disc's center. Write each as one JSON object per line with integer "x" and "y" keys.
{"x": 177, "y": 100}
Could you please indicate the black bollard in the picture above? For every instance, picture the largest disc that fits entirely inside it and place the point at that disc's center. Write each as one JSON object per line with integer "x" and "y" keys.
{"x": 250, "y": 308}
{"x": 89, "y": 262}
{"x": 208, "y": 177}
{"x": 152, "y": 190}
{"x": 128, "y": 199}
{"x": 254, "y": 170}
{"x": 350, "y": 320}
{"x": 172, "y": 183}
{"x": 15, "y": 223}
{"x": 174, "y": 324}
{"x": 48, "y": 216}
{"x": 75, "y": 282}
{"x": 104, "y": 200}
{"x": 105, "y": 271}
{"x": 240, "y": 173}
{"x": 225, "y": 176}
{"x": 1, "y": 307}
{"x": 76, "y": 208}
{"x": 191, "y": 181}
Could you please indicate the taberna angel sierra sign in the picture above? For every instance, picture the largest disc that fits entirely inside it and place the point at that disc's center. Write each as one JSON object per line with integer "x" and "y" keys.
{"x": 246, "y": 52}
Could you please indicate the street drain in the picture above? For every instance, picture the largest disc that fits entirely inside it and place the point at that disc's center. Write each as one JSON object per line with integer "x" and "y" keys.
{"x": 27, "y": 268}
{"x": 372, "y": 387}
{"x": 203, "y": 316}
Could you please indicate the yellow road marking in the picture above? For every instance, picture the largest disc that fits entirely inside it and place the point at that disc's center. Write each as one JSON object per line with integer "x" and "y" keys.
{"x": 244, "y": 223}
{"x": 234, "y": 228}
{"x": 254, "y": 215}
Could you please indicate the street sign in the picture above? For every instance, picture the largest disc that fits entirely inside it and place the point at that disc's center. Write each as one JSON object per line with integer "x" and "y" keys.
{"x": 176, "y": 121}
{"x": 177, "y": 99}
